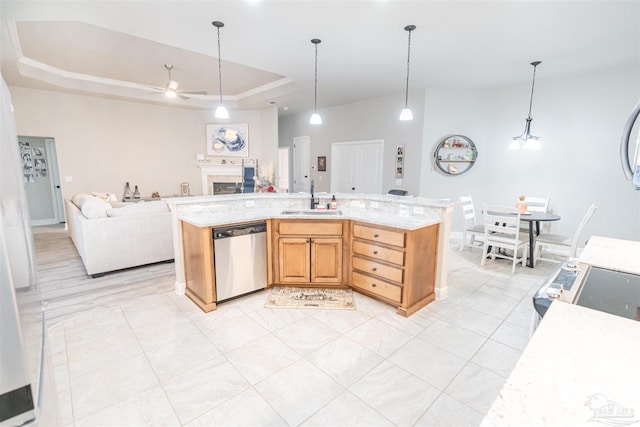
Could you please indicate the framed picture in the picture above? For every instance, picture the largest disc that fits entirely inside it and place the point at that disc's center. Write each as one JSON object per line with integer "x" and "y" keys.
{"x": 228, "y": 140}
{"x": 322, "y": 163}
{"x": 400, "y": 161}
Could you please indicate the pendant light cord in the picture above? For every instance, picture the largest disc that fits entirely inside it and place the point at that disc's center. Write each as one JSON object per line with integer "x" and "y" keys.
{"x": 406, "y": 93}
{"x": 315, "y": 93}
{"x": 533, "y": 83}
{"x": 219, "y": 66}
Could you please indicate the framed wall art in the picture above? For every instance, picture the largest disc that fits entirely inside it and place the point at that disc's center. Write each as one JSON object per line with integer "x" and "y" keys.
{"x": 227, "y": 140}
{"x": 400, "y": 161}
{"x": 322, "y": 163}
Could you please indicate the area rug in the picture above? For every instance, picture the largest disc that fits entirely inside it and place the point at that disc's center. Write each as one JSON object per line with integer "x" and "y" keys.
{"x": 333, "y": 299}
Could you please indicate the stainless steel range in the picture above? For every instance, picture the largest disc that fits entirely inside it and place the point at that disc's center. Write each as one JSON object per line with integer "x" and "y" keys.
{"x": 598, "y": 288}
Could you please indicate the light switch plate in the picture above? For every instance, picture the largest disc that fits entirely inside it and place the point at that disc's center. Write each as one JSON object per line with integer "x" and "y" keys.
{"x": 68, "y": 179}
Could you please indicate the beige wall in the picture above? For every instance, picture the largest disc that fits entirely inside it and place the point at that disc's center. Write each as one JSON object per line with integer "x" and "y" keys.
{"x": 102, "y": 143}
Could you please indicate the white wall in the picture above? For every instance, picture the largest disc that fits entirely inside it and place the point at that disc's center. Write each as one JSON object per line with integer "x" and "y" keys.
{"x": 580, "y": 119}
{"x": 368, "y": 120}
{"x": 102, "y": 143}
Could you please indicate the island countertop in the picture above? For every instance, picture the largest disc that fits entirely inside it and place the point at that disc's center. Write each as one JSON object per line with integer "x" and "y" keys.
{"x": 580, "y": 366}
{"x": 393, "y": 211}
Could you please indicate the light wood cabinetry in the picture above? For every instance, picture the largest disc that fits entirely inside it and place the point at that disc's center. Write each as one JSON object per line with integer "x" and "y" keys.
{"x": 395, "y": 266}
{"x": 308, "y": 252}
{"x": 198, "y": 265}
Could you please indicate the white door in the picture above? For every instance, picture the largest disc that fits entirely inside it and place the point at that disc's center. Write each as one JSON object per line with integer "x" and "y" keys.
{"x": 301, "y": 164}
{"x": 42, "y": 183}
{"x": 356, "y": 167}
{"x": 282, "y": 180}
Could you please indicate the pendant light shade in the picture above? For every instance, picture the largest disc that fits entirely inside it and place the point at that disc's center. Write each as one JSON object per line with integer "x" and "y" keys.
{"x": 527, "y": 140}
{"x": 406, "y": 113}
{"x": 315, "y": 117}
{"x": 221, "y": 111}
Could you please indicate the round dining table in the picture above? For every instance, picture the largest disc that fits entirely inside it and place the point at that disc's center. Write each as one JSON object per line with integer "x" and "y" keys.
{"x": 537, "y": 218}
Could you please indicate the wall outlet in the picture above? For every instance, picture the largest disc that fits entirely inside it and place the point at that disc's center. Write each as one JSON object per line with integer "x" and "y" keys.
{"x": 418, "y": 210}
{"x": 375, "y": 205}
{"x": 250, "y": 203}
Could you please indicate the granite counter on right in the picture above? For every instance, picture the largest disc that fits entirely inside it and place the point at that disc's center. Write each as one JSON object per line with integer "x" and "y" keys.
{"x": 581, "y": 366}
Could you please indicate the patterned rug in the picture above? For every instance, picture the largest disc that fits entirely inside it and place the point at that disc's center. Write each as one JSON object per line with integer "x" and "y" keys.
{"x": 335, "y": 299}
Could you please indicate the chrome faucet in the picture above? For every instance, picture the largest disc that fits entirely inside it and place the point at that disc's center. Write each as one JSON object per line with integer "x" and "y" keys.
{"x": 314, "y": 202}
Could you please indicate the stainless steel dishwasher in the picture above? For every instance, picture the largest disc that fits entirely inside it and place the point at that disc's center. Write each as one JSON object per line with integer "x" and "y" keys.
{"x": 240, "y": 258}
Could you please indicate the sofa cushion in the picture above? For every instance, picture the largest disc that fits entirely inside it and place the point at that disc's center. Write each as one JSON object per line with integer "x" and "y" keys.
{"x": 139, "y": 208}
{"x": 90, "y": 206}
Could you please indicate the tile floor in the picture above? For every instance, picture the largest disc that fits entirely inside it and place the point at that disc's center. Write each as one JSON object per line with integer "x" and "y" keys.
{"x": 158, "y": 360}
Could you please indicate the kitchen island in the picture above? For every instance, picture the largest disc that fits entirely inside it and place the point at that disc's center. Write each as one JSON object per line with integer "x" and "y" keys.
{"x": 582, "y": 366}
{"x": 423, "y": 226}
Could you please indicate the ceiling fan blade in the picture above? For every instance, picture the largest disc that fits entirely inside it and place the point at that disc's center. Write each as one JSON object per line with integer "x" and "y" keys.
{"x": 201, "y": 92}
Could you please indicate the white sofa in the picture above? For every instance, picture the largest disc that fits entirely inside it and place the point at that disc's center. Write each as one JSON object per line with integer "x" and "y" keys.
{"x": 112, "y": 236}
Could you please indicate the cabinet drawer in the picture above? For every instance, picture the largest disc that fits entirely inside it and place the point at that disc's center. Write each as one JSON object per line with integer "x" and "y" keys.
{"x": 311, "y": 228}
{"x": 395, "y": 238}
{"x": 378, "y": 252}
{"x": 377, "y": 286}
{"x": 385, "y": 271}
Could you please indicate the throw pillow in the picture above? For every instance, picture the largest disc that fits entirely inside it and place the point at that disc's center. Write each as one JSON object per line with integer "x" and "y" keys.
{"x": 95, "y": 208}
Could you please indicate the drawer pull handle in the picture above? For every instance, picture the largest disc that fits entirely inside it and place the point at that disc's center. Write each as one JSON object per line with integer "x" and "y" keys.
{"x": 374, "y": 269}
{"x": 375, "y": 252}
{"x": 373, "y": 285}
{"x": 376, "y": 235}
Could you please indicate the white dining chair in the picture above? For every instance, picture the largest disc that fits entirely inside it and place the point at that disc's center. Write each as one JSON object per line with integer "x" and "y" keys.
{"x": 471, "y": 226}
{"x": 565, "y": 246}
{"x": 537, "y": 204}
{"x": 502, "y": 231}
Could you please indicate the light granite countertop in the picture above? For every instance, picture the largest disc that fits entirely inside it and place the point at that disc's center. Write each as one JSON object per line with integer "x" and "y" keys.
{"x": 409, "y": 213}
{"x": 612, "y": 254}
{"x": 581, "y": 367}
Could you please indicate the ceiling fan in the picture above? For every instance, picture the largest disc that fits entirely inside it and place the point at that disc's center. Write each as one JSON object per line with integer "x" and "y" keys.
{"x": 171, "y": 88}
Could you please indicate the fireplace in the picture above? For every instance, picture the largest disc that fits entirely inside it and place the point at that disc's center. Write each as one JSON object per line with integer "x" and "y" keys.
{"x": 221, "y": 179}
{"x": 226, "y": 187}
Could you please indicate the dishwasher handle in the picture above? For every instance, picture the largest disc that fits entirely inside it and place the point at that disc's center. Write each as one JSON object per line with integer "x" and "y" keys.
{"x": 239, "y": 230}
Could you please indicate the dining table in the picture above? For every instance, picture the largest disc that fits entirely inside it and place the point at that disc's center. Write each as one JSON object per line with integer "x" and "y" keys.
{"x": 536, "y": 218}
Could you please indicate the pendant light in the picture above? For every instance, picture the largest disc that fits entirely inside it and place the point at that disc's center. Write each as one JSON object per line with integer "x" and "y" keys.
{"x": 527, "y": 141}
{"x": 406, "y": 113}
{"x": 221, "y": 111}
{"x": 315, "y": 117}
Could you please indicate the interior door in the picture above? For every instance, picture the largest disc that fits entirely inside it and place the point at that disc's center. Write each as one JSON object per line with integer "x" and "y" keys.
{"x": 356, "y": 167}
{"x": 42, "y": 181}
{"x": 301, "y": 164}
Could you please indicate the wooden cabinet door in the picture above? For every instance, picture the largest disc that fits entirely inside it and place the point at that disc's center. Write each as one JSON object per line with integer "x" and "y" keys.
{"x": 326, "y": 260}
{"x": 294, "y": 263}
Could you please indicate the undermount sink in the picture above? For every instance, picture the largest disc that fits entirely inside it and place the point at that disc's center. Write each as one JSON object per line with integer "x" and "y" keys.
{"x": 312, "y": 212}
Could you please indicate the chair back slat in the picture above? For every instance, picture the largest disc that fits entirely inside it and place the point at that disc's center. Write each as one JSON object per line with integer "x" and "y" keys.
{"x": 501, "y": 219}
{"x": 468, "y": 211}
{"x": 537, "y": 204}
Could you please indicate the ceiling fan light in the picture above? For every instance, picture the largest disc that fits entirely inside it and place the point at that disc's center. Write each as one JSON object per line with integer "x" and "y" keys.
{"x": 315, "y": 119}
{"x": 221, "y": 112}
{"x": 406, "y": 114}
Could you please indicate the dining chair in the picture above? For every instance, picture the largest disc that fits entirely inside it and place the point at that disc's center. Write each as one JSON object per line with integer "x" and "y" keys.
{"x": 566, "y": 246}
{"x": 471, "y": 226}
{"x": 502, "y": 231}
{"x": 537, "y": 204}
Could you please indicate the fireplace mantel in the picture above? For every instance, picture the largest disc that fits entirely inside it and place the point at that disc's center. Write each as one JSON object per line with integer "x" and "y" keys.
{"x": 209, "y": 173}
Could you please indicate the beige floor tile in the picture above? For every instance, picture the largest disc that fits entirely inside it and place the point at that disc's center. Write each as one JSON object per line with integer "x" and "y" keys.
{"x": 454, "y": 339}
{"x": 347, "y": 410}
{"x": 203, "y": 388}
{"x": 342, "y": 320}
{"x": 306, "y": 335}
{"x": 497, "y": 306}
{"x": 379, "y": 337}
{"x": 235, "y": 333}
{"x": 110, "y": 385}
{"x": 262, "y": 358}
{"x": 513, "y": 335}
{"x": 497, "y": 358}
{"x": 472, "y": 320}
{"x": 147, "y": 408}
{"x": 247, "y": 409}
{"x": 298, "y": 391}
{"x": 447, "y": 412}
{"x": 395, "y": 393}
{"x": 476, "y": 387}
{"x": 273, "y": 319}
{"x": 428, "y": 362}
{"x": 345, "y": 360}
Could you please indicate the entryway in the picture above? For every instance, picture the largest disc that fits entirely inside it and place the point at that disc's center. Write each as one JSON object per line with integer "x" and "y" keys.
{"x": 41, "y": 180}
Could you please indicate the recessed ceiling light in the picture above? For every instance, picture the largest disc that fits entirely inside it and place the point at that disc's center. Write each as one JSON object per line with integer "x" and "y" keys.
{"x": 272, "y": 102}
